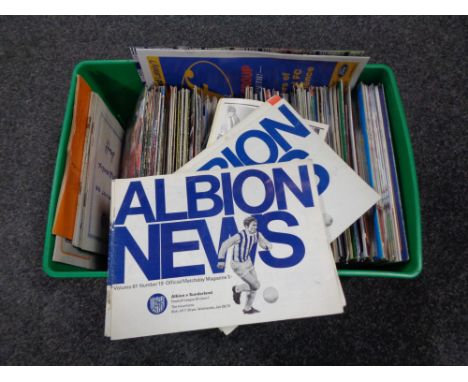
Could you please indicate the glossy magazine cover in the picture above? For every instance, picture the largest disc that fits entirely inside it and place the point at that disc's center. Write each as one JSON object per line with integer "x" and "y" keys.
{"x": 228, "y": 72}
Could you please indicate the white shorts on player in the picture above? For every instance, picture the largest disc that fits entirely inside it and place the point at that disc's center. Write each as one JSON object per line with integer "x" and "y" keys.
{"x": 242, "y": 268}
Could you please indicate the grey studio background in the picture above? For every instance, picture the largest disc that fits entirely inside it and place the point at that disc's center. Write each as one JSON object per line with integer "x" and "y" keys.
{"x": 387, "y": 321}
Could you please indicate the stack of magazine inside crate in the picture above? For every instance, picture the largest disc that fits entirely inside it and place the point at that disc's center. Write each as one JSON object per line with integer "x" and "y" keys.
{"x": 244, "y": 177}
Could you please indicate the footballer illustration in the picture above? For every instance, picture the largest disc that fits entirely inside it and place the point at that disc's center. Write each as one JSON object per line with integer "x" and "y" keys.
{"x": 243, "y": 243}
{"x": 232, "y": 119}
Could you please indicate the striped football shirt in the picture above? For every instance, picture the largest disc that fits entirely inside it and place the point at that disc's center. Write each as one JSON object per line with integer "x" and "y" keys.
{"x": 241, "y": 251}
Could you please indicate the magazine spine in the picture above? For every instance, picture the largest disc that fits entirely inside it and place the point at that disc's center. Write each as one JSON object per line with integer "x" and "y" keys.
{"x": 396, "y": 186}
{"x": 362, "y": 111}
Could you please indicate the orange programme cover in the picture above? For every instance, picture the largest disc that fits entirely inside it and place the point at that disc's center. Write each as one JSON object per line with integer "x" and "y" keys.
{"x": 64, "y": 223}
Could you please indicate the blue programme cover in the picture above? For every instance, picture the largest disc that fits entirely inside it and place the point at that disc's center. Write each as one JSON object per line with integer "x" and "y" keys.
{"x": 229, "y": 72}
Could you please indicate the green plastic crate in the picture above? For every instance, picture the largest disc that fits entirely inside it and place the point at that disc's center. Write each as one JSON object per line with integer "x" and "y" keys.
{"x": 118, "y": 83}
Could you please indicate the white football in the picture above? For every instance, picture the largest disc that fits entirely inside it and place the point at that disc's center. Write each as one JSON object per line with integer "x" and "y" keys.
{"x": 328, "y": 220}
{"x": 270, "y": 295}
